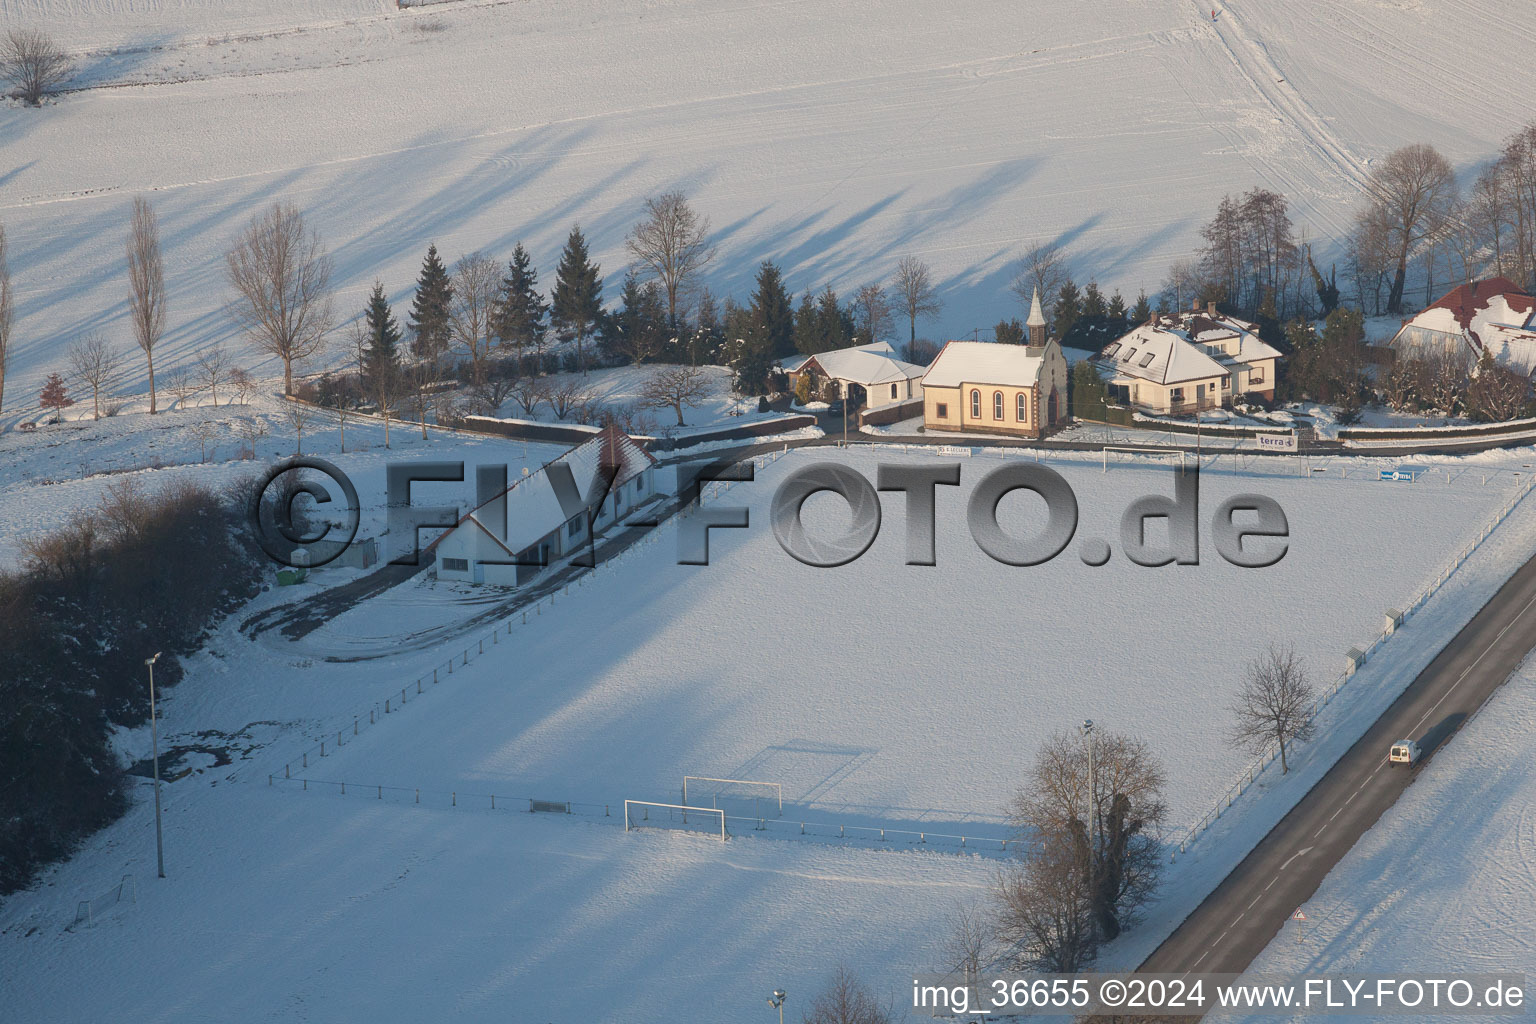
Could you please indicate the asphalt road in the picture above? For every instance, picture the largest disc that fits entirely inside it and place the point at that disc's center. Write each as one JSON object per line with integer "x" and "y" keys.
{"x": 1227, "y": 931}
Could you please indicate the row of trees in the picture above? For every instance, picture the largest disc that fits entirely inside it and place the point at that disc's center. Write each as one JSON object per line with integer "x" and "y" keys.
{"x": 77, "y": 615}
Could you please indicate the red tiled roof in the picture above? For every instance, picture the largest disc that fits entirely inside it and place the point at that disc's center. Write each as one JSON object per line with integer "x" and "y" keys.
{"x": 1465, "y": 301}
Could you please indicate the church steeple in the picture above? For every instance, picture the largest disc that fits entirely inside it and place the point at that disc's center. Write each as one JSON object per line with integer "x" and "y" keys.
{"x": 1036, "y": 322}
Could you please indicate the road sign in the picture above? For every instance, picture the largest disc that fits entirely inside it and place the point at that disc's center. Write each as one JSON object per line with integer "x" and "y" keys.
{"x": 1298, "y": 916}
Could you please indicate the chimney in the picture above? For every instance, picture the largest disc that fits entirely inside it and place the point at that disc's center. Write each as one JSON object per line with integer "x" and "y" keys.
{"x": 1210, "y": 309}
{"x": 1194, "y": 305}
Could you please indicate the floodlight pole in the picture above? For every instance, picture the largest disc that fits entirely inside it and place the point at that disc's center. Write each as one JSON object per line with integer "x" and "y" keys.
{"x": 1093, "y": 811}
{"x": 154, "y": 733}
{"x": 777, "y": 1000}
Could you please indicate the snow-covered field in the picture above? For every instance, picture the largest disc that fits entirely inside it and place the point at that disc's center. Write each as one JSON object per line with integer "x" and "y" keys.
{"x": 834, "y": 138}
{"x": 875, "y": 693}
{"x": 1445, "y": 880}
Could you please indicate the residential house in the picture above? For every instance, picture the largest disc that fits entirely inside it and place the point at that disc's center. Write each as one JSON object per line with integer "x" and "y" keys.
{"x": 1182, "y": 362}
{"x": 987, "y": 387}
{"x": 863, "y": 375}
{"x": 1495, "y": 315}
{"x": 513, "y": 533}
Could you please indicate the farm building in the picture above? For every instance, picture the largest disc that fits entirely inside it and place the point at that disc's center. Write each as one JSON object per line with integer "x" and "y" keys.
{"x": 510, "y": 537}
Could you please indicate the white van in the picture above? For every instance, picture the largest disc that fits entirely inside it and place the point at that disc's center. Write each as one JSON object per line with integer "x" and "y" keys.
{"x": 1404, "y": 752}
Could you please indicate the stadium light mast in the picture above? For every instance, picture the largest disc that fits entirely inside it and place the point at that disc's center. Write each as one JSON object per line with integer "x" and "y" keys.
{"x": 777, "y": 1001}
{"x": 154, "y": 733}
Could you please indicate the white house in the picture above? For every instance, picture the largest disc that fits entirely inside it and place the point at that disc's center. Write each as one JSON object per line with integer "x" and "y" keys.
{"x": 1188, "y": 361}
{"x": 509, "y": 539}
{"x": 869, "y": 374}
{"x": 1496, "y": 316}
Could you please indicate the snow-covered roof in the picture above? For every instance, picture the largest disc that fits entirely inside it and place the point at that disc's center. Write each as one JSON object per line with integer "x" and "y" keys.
{"x": 1494, "y": 315}
{"x": 1183, "y": 347}
{"x": 984, "y": 362}
{"x": 871, "y": 364}
{"x": 532, "y": 506}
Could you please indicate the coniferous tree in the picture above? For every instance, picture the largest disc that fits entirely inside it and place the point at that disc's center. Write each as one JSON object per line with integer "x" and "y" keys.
{"x": 834, "y": 324}
{"x": 1116, "y": 311}
{"x": 1094, "y": 306}
{"x": 576, "y": 303}
{"x": 1142, "y": 311}
{"x": 704, "y": 344}
{"x": 429, "y": 310}
{"x": 771, "y": 313}
{"x": 1009, "y": 332}
{"x": 1069, "y": 307}
{"x": 807, "y": 327}
{"x": 520, "y": 311}
{"x": 381, "y": 357}
{"x": 637, "y": 333}
{"x": 55, "y": 396}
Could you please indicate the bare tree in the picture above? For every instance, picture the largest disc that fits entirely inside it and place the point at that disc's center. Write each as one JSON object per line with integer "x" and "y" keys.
{"x": 846, "y": 1000}
{"x": 529, "y": 393}
{"x": 298, "y": 415}
{"x": 915, "y": 295}
{"x": 476, "y": 278}
{"x": 971, "y": 946}
{"x": 1114, "y": 828}
{"x": 1182, "y": 285}
{"x": 671, "y": 245}
{"x": 203, "y": 432}
{"x": 872, "y": 312}
{"x": 281, "y": 275}
{"x": 179, "y": 382}
{"x": 213, "y": 366}
{"x": 251, "y": 430}
{"x": 146, "y": 285}
{"x": 31, "y": 62}
{"x": 566, "y": 397}
{"x": 244, "y": 384}
{"x": 1043, "y": 266}
{"x": 385, "y": 389}
{"x": 7, "y": 314}
{"x": 1410, "y": 195}
{"x": 1045, "y": 908}
{"x": 94, "y": 363}
{"x": 675, "y": 388}
{"x": 1273, "y": 704}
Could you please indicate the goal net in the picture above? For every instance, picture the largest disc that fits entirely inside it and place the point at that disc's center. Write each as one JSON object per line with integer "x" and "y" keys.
{"x": 739, "y": 796}
{"x": 1132, "y": 455}
{"x": 706, "y": 821}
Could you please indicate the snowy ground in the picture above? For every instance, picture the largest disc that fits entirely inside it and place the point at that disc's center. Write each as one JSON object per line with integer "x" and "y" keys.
{"x": 862, "y": 690}
{"x": 1445, "y": 880}
{"x": 620, "y": 387}
{"x": 47, "y": 475}
{"x": 834, "y": 138}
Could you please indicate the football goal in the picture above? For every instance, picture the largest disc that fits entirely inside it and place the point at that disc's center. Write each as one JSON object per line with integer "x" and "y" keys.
{"x": 764, "y": 798}
{"x": 1135, "y": 454}
{"x": 704, "y": 820}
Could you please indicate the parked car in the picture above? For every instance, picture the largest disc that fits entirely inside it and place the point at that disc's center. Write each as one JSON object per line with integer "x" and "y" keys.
{"x": 1405, "y": 752}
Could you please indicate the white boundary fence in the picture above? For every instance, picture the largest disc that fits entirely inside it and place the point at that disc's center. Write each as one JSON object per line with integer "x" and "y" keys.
{"x": 778, "y": 791}
{"x": 674, "y": 813}
{"x": 1251, "y": 773}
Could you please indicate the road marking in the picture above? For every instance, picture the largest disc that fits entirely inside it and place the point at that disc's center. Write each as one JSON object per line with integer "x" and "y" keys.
{"x": 1272, "y": 881}
{"x": 1202, "y": 957}
{"x": 1255, "y": 900}
{"x": 1499, "y": 636}
{"x": 1293, "y": 856}
{"x": 1320, "y": 831}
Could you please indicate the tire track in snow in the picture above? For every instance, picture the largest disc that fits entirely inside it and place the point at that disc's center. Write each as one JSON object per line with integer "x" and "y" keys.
{"x": 1254, "y": 63}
